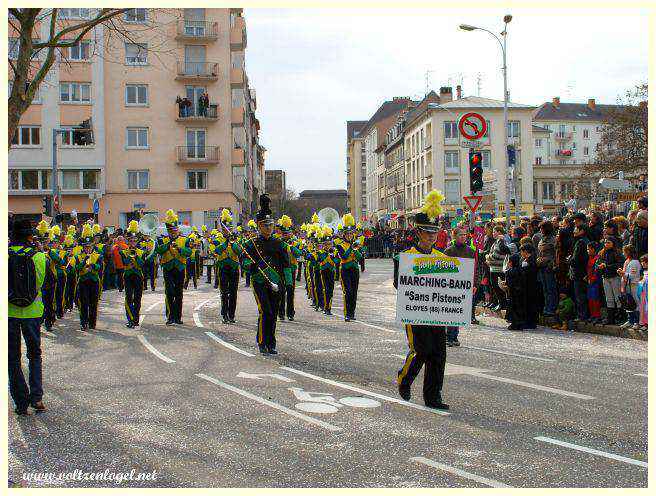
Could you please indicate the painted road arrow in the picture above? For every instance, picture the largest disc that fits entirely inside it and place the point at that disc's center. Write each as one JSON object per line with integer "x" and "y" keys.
{"x": 246, "y": 375}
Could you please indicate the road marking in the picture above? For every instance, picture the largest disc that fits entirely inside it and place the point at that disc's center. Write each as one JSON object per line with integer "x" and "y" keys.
{"x": 154, "y": 351}
{"x": 202, "y": 304}
{"x": 48, "y": 333}
{"x": 141, "y": 319}
{"x": 197, "y": 320}
{"x": 246, "y": 375}
{"x": 641, "y": 375}
{"x": 457, "y": 471}
{"x": 548, "y": 389}
{"x": 153, "y": 306}
{"x": 592, "y": 451}
{"x": 364, "y": 323}
{"x": 510, "y": 354}
{"x": 228, "y": 345}
{"x": 311, "y": 420}
{"x": 363, "y": 391}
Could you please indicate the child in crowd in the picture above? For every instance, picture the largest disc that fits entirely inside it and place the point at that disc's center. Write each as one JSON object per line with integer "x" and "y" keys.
{"x": 515, "y": 287}
{"x": 594, "y": 284}
{"x": 565, "y": 312}
{"x": 609, "y": 260}
{"x": 642, "y": 295}
{"x": 630, "y": 274}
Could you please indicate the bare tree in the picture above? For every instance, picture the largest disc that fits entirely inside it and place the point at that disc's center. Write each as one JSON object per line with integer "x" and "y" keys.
{"x": 28, "y": 65}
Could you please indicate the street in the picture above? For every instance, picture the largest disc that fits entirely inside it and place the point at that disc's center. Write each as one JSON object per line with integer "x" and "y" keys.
{"x": 199, "y": 406}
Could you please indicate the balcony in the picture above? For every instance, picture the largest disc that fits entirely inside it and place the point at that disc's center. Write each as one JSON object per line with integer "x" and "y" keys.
{"x": 197, "y": 155}
{"x": 563, "y": 136}
{"x": 238, "y": 157}
{"x": 238, "y": 35}
{"x": 563, "y": 153}
{"x": 237, "y": 78}
{"x": 194, "y": 115}
{"x": 197, "y": 31}
{"x": 237, "y": 116}
{"x": 197, "y": 71}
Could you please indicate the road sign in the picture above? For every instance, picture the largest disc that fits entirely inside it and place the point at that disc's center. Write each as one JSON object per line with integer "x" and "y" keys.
{"x": 96, "y": 207}
{"x": 467, "y": 143}
{"x": 473, "y": 202}
{"x": 472, "y": 126}
{"x": 616, "y": 184}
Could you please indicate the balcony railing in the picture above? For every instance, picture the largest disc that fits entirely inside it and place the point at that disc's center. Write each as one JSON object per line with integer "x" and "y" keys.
{"x": 563, "y": 136}
{"x": 238, "y": 35}
{"x": 237, "y": 77}
{"x": 194, "y": 154}
{"x": 198, "y": 70}
{"x": 194, "y": 114}
{"x": 197, "y": 30}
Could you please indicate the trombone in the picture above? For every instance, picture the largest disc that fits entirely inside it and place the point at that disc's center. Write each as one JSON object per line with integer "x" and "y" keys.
{"x": 148, "y": 225}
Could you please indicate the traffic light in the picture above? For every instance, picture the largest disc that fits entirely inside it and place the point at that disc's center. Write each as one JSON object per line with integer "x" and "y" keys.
{"x": 46, "y": 202}
{"x": 475, "y": 171}
{"x": 512, "y": 156}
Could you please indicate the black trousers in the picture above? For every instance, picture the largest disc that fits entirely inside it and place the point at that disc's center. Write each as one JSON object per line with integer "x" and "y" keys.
{"x": 209, "y": 273}
{"x": 88, "y": 294}
{"x": 217, "y": 276}
{"x": 133, "y": 292}
{"x": 327, "y": 277}
{"x": 119, "y": 279}
{"x": 229, "y": 286}
{"x": 60, "y": 294}
{"x": 48, "y": 296}
{"x": 248, "y": 278}
{"x": 427, "y": 347}
{"x": 350, "y": 279}
{"x": 150, "y": 272}
{"x": 318, "y": 287}
{"x": 267, "y": 306}
{"x": 298, "y": 272}
{"x": 362, "y": 264}
{"x": 173, "y": 282}
{"x": 287, "y": 299}
{"x": 71, "y": 282}
{"x": 190, "y": 273}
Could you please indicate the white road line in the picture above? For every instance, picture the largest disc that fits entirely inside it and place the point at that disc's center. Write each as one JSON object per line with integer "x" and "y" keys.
{"x": 641, "y": 375}
{"x": 197, "y": 320}
{"x": 364, "y": 323}
{"x": 592, "y": 451}
{"x": 141, "y": 319}
{"x": 153, "y": 306}
{"x": 364, "y": 391}
{"x": 510, "y": 354}
{"x": 48, "y": 333}
{"x": 548, "y": 389}
{"x": 457, "y": 471}
{"x": 228, "y": 345}
{"x": 310, "y": 420}
{"x": 202, "y": 304}
{"x": 152, "y": 349}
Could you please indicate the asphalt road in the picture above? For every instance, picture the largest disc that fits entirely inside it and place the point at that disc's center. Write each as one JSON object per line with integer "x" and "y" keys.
{"x": 197, "y": 406}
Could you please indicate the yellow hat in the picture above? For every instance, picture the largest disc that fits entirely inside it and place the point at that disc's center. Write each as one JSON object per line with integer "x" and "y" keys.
{"x": 133, "y": 227}
{"x": 203, "y": 228}
{"x": 225, "y": 216}
{"x": 42, "y": 228}
{"x": 96, "y": 229}
{"x": 55, "y": 231}
{"x": 315, "y": 218}
{"x": 433, "y": 205}
{"x": 252, "y": 224}
{"x": 69, "y": 241}
{"x": 194, "y": 229}
{"x": 87, "y": 232}
{"x": 171, "y": 217}
{"x": 285, "y": 222}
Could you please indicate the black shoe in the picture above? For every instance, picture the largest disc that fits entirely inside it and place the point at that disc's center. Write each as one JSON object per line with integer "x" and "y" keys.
{"x": 225, "y": 320}
{"x": 514, "y": 327}
{"x": 232, "y": 321}
{"x": 328, "y": 312}
{"x": 179, "y": 322}
{"x": 281, "y": 317}
{"x": 263, "y": 350}
{"x": 404, "y": 392}
{"x": 39, "y": 407}
{"x": 22, "y": 411}
{"x": 449, "y": 343}
{"x": 290, "y": 318}
{"x": 438, "y": 405}
{"x": 84, "y": 327}
{"x": 316, "y": 309}
{"x": 129, "y": 325}
{"x": 456, "y": 343}
{"x": 347, "y": 319}
{"x": 272, "y": 351}
{"x": 170, "y": 322}
{"x": 475, "y": 321}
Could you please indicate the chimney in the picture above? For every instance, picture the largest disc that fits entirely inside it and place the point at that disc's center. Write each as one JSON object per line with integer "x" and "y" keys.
{"x": 591, "y": 103}
{"x": 446, "y": 94}
{"x": 556, "y": 101}
{"x": 458, "y": 92}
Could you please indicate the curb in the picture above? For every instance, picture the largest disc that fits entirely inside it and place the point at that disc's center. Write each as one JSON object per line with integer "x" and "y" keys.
{"x": 606, "y": 330}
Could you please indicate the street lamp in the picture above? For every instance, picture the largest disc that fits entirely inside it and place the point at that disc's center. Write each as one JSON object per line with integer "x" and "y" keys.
{"x": 502, "y": 44}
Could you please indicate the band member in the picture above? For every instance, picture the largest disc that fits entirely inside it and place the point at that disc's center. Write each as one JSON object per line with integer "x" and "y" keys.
{"x": 89, "y": 270}
{"x": 269, "y": 260}
{"x": 71, "y": 275}
{"x": 349, "y": 257}
{"x": 229, "y": 252}
{"x": 150, "y": 264}
{"x": 58, "y": 257}
{"x": 361, "y": 245}
{"x": 50, "y": 285}
{"x": 173, "y": 251}
{"x": 327, "y": 263}
{"x": 426, "y": 343}
{"x": 134, "y": 260}
{"x": 192, "y": 264}
{"x": 292, "y": 246}
{"x": 251, "y": 233}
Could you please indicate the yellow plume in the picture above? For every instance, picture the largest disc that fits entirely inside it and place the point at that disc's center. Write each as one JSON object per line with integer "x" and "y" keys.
{"x": 285, "y": 221}
{"x": 42, "y": 227}
{"x": 194, "y": 229}
{"x": 238, "y": 228}
{"x": 55, "y": 230}
{"x": 432, "y": 204}
{"x": 133, "y": 227}
{"x": 69, "y": 241}
{"x": 252, "y": 224}
{"x": 340, "y": 226}
{"x": 220, "y": 238}
{"x": 304, "y": 227}
{"x": 72, "y": 229}
{"x": 86, "y": 231}
{"x": 348, "y": 220}
{"x": 203, "y": 228}
{"x": 170, "y": 217}
{"x": 359, "y": 226}
{"x": 225, "y": 215}
{"x": 214, "y": 232}
{"x": 315, "y": 218}
{"x": 96, "y": 229}
{"x": 77, "y": 250}
{"x": 327, "y": 231}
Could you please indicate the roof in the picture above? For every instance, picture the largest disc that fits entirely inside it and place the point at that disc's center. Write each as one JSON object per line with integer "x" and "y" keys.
{"x": 431, "y": 97}
{"x": 540, "y": 129}
{"x": 387, "y": 109}
{"x": 353, "y": 129}
{"x": 480, "y": 102}
{"x": 573, "y": 112}
{"x": 321, "y": 192}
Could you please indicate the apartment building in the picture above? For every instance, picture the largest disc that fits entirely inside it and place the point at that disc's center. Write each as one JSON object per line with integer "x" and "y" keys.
{"x": 150, "y": 151}
{"x": 356, "y": 171}
{"x": 437, "y": 159}
{"x": 567, "y": 137}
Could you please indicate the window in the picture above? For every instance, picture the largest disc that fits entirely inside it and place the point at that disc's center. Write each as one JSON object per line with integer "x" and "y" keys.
{"x": 73, "y": 13}
{"x": 14, "y": 47}
{"x": 27, "y": 136}
{"x": 586, "y": 134}
{"x": 487, "y": 129}
{"x": 452, "y": 189}
{"x": 586, "y": 150}
{"x": 137, "y": 137}
{"x": 80, "y": 51}
{"x": 452, "y": 162}
{"x": 70, "y": 179}
{"x": 548, "y": 191}
{"x": 90, "y": 179}
{"x": 486, "y": 155}
{"x": 45, "y": 179}
{"x": 29, "y": 179}
{"x": 136, "y": 94}
{"x": 513, "y": 129}
{"x": 535, "y": 191}
{"x": 13, "y": 179}
{"x": 76, "y": 137}
{"x": 450, "y": 130}
{"x": 197, "y": 179}
{"x": 538, "y": 143}
{"x": 538, "y": 160}
{"x": 37, "y": 93}
{"x": 135, "y": 15}
{"x": 75, "y": 92}
{"x": 136, "y": 53}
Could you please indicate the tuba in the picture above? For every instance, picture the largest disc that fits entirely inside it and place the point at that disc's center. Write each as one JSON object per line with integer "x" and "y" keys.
{"x": 148, "y": 225}
{"x": 329, "y": 217}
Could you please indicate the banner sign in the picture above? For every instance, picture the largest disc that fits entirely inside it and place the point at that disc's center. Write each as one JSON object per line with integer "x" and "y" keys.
{"x": 434, "y": 290}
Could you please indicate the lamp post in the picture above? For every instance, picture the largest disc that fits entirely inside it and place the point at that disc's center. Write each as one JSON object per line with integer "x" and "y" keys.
{"x": 502, "y": 44}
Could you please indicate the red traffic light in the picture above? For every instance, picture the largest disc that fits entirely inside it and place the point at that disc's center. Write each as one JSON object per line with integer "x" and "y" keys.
{"x": 475, "y": 159}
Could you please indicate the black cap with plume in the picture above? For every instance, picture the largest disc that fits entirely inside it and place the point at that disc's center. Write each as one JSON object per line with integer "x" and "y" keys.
{"x": 264, "y": 214}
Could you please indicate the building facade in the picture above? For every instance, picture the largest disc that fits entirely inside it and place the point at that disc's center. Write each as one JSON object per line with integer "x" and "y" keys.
{"x": 275, "y": 187}
{"x": 156, "y": 146}
{"x": 356, "y": 172}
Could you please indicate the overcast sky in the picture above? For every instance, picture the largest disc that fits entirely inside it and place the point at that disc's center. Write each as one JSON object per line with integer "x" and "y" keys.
{"x": 315, "y": 69}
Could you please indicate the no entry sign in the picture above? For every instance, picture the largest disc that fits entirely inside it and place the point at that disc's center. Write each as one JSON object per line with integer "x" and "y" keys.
{"x": 472, "y": 126}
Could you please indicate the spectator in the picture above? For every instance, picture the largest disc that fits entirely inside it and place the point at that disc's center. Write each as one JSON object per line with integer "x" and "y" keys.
{"x": 494, "y": 259}
{"x": 578, "y": 271}
{"x": 639, "y": 239}
{"x": 622, "y": 229}
{"x": 119, "y": 245}
{"x": 530, "y": 277}
{"x": 608, "y": 262}
{"x": 546, "y": 257}
{"x": 594, "y": 284}
{"x": 516, "y": 290}
{"x": 24, "y": 318}
{"x": 458, "y": 248}
{"x": 565, "y": 312}
{"x": 630, "y": 274}
{"x": 642, "y": 294}
{"x": 564, "y": 247}
{"x": 596, "y": 227}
